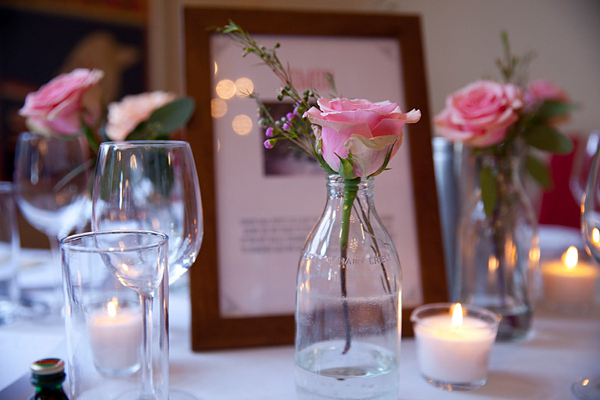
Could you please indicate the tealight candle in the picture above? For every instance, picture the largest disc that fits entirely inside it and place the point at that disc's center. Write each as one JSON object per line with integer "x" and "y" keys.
{"x": 569, "y": 281}
{"x": 115, "y": 338}
{"x": 454, "y": 344}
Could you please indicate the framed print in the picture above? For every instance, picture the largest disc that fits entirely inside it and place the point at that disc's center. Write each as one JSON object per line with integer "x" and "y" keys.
{"x": 259, "y": 205}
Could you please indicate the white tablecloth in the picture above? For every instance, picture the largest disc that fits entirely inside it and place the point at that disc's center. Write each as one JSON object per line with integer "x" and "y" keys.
{"x": 561, "y": 349}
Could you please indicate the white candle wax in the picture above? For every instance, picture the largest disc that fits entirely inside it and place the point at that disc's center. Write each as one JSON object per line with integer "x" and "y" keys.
{"x": 458, "y": 354}
{"x": 570, "y": 281}
{"x": 570, "y": 285}
{"x": 115, "y": 337}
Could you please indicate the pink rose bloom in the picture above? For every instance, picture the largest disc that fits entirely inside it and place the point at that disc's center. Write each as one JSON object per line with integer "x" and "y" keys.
{"x": 541, "y": 90}
{"x": 125, "y": 115}
{"x": 59, "y": 105}
{"x": 360, "y": 128}
{"x": 480, "y": 114}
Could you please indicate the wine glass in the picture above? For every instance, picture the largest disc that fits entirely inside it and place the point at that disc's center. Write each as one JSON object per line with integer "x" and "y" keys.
{"x": 151, "y": 185}
{"x": 51, "y": 178}
{"x": 138, "y": 259}
{"x": 589, "y": 388}
{"x": 582, "y": 162}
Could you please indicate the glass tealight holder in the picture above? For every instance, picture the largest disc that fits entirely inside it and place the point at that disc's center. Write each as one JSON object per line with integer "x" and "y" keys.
{"x": 104, "y": 326}
{"x": 454, "y": 343}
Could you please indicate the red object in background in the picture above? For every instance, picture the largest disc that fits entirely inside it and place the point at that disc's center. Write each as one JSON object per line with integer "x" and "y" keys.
{"x": 558, "y": 204}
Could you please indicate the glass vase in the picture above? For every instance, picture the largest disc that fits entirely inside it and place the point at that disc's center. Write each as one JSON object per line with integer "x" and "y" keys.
{"x": 348, "y": 301}
{"x": 498, "y": 251}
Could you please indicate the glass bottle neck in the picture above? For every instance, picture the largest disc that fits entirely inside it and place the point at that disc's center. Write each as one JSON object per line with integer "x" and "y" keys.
{"x": 506, "y": 169}
{"x": 337, "y": 187}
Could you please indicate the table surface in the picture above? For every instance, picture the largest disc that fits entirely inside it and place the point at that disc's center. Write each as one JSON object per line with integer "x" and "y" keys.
{"x": 560, "y": 349}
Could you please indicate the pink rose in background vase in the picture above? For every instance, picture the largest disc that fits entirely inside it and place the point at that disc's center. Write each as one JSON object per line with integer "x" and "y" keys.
{"x": 59, "y": 105}
{"x": 360, "y": 128}
{"x": 543, "y": 89}
{"x": 480, "y": 114}
{"x": 125, "y": 115}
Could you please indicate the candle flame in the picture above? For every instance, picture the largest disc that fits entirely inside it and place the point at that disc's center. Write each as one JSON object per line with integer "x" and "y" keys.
{"x": 596, "y": 236}
{"x": 457, "y": 315}
{"x": 111, "y": 307}
{"x": 493, "y": 263}
{"x": 570, "y": 257}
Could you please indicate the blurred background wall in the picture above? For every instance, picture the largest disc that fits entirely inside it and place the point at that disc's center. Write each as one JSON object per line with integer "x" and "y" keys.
{"x": 461, "y": 40}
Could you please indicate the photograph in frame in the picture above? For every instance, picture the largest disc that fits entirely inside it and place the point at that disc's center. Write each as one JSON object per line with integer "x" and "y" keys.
{"x": 265, "y": 204}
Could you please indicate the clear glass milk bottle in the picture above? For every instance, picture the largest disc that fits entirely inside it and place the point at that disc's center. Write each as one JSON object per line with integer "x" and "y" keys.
{"x": 348, "y": 301}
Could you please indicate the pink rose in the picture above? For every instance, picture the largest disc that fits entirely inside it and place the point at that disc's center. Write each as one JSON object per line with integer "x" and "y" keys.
{"x": 480, "y": 114}
{"x": 543, "y": 89}
{"x": 59, "y": 105}
{"x": 125, "y": 115}
{"x": 360, "y": 128}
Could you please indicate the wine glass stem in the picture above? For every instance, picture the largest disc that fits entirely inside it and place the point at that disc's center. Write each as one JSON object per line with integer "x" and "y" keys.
{"x": 56, "y": 299}
{"x": 147, "y": 377}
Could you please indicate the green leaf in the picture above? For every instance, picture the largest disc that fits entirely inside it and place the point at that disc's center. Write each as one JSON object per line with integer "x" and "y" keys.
{"x": 539, "y": 171}
{"x": 552, "y": 108}
{"x": 160, "y": 171}
{"x": 140, "y": 132}
{"x": 164, "y": 120}
{"x": 489, "y": 191}
{"x": 325, "y": 166}
{"x": 548, "y": 139}
{"x": 346, "y": 169}
{"x": 89, "y": 135}
{"x": 173, "y": 115}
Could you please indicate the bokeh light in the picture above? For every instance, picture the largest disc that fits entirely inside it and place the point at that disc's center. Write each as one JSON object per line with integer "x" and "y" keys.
{"x": 241, "y": 124}
{"x": 218, "y": 108}
{"x": 225, "y": 89}
{"x": 244, "y": 86}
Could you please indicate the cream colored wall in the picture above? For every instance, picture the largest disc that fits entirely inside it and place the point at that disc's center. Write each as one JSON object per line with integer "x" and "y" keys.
{"x": 461, "y": 39}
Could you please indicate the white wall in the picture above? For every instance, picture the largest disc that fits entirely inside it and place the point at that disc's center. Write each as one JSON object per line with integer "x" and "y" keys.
{"x": 461, "y": 39}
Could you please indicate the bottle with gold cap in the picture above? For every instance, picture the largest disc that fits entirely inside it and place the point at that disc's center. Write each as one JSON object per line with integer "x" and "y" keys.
{"x": 47, "y": 376}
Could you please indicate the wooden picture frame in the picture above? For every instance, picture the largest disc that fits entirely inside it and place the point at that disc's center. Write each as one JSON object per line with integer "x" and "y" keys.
{"x": 210, "y": 328}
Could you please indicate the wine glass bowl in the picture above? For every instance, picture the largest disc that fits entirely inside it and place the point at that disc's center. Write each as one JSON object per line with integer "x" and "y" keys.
{"x": 582, "y": 161}
{"x": 51, "y": 178}
{"x": 589, "y": 388}
{"x": 151, "y": 185}
{"x": 131, "y": 265}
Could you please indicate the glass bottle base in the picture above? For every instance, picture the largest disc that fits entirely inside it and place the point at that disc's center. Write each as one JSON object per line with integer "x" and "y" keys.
{"x": 454, "y": 386}
{"x": 515, "y": 324}
{"x": 367, "y": 372}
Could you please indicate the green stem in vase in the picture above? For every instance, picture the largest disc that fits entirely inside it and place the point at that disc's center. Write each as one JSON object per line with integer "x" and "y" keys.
{"x": 366, "y": 221}
{"x": 350, "y": 192}
{"x": 499, "y": 234}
